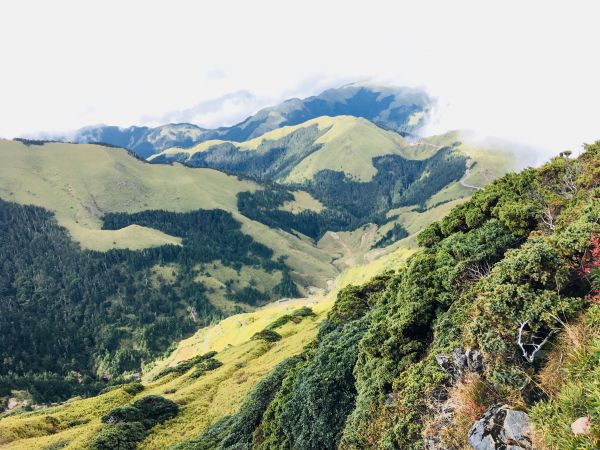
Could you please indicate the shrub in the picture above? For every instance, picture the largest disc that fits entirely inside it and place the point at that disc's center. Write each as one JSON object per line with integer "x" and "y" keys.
{"x": 206, "y": 366}
{"x": 304, "y": 311}
{"x": 121, "y": 436}
{"x": 296, "y": 316}
{"x": 184, "y": 366}
{"x": 133, "y": 388}
{"x": 123, "y": 414}
{"x": 267, "y": 335}
{"x": 155, "y": 409}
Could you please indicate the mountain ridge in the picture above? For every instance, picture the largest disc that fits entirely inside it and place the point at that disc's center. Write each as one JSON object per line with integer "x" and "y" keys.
{"x": 400, "y": 109}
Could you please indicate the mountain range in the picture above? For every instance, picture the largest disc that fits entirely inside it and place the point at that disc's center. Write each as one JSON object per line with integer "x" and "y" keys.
{"x": 399, "y": 109}
{"x": 321, "y": 275}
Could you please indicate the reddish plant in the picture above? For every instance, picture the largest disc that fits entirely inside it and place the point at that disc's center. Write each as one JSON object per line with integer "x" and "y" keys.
{"x": 474, "y": 411}
{"x": 590, "y": 267}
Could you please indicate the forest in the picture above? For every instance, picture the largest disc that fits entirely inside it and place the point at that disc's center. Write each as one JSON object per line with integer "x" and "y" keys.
{"x": 73, "y": 321}
{"x": 350, "y": 204}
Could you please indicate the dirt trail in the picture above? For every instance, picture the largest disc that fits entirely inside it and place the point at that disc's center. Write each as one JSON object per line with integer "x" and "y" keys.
{"x": 466, "y": 175}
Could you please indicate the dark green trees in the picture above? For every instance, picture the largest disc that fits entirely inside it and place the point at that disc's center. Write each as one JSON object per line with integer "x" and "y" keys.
{"x": 69, "y": 316}
{"x": 125, "y": 426}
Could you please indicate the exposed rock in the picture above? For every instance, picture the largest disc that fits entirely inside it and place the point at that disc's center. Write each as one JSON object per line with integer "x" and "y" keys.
{"x": 501, "y": 428}
{"x": 444, "y": 362}
{"x": 462, "y": 361}
{"x": 391, "y": 398}
{"x": 16, "y": 399}
{"x": 475, "y": 361}
{"x": 582, "y": 425}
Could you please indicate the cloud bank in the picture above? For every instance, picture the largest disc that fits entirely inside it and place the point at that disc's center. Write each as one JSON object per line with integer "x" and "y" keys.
{"x": 524, "y": 71}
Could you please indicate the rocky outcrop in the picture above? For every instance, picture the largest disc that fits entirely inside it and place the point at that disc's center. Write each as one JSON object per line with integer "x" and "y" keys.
{"x": 442, "y": 408}
{"x": 462, "y": 361}
{"x": 501, "y": 428}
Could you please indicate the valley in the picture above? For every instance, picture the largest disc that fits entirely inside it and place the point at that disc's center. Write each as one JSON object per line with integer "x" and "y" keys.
{"x": 295, "y": 281}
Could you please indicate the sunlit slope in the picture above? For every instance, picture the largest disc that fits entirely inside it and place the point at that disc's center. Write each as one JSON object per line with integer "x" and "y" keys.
{"x": 82, "y": 182}
{"x": 346, "y": 143}
{"x": 349, "y": 144}
{"x": 202, "y": 401}
{"x": 489, "y": 158}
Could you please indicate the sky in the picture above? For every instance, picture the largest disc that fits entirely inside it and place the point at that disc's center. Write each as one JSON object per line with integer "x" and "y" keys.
{"x": 520, "y": 70}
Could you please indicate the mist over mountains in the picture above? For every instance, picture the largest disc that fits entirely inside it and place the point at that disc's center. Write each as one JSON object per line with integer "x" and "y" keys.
{"x": 400, "y": 109}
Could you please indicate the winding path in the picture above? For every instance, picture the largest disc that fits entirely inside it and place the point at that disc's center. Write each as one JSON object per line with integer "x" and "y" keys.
{"x": 467, "y": 185}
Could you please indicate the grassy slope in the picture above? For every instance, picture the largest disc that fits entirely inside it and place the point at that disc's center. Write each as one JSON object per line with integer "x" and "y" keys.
{"x": 215, "y": 275}
{"x": 202, "y": 400}
{"x": 489, "y": 159}
{"x": 81, "y": 182}
{"x": 303, "y": 201}
{"x": 348, "y": 145}
{"x": 366, "y": 262}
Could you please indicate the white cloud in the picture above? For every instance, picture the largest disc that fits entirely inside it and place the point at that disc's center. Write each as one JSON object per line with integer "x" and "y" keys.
{"x": 520, "y": 70}
{"x": 212, "y": 113}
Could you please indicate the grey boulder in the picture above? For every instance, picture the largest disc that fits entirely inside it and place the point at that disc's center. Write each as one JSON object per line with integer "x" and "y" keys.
{"x": 501, "y": 428}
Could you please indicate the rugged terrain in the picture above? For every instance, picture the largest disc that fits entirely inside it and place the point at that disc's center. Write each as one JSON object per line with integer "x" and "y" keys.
{"x": 497, "y": 307}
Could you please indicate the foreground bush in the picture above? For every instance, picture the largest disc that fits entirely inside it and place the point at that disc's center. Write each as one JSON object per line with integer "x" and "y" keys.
{"x": 121, "y": 436}
{"x": 125, "y": 426}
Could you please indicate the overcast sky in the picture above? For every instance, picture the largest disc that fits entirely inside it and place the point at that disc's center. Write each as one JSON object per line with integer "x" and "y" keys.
{"x": 524, "y": 70}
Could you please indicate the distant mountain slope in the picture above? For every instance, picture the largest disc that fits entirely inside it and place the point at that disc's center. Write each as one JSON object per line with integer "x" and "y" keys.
{"x": 499, "y": 306}
{"x": 144, "y": 141}
{"x": 165, "y": 249}
{"x": 360, "y": 172}
{"x": 107, "y": 260}
{"x": 297, "y": 153}
{"x": 81, "y": 183}
{"x": 399, "y": 109}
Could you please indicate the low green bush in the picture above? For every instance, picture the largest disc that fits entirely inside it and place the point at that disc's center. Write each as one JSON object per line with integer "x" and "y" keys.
{"x": 126, "y": 425}
{"x": 120, "y": 436}
{"x": 267, "y": 335}
{"x": 184, "y": 366}
{"x": 133, "y": 388}
{"x": 123, "y": 414}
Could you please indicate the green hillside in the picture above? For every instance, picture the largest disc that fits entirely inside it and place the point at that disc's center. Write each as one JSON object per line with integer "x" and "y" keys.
{"x": 81, "y": 183}
{"x": 119, "y": 259}
{"x": 207, "y": 398}
{"x": 414, "y": 358}
{"x": 340, "y": 162}
{"x": 401, "y": 109}
{"x": 511, "y": 270}
{"x": 344, "y": 143}
{"x": 198, "y": 243}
